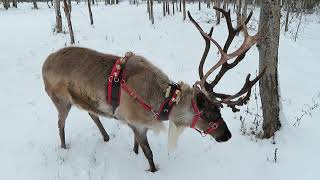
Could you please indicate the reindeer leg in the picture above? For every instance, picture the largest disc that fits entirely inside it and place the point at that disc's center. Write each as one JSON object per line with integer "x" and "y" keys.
{"x": 63, "y": 107}
{"x": 97, "y": 121}
{"x": 136, "y": 145}
{"x": 141, "y": 137}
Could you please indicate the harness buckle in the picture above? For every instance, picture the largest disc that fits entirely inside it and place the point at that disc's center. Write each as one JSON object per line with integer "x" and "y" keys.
{"x": 155, "y": 113}
{"x": 110, "y": 78}
{"x": 116, "y": 79}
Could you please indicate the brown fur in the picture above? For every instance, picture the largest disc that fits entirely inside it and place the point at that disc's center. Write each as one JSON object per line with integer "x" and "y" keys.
{"x": 78, "y": 76}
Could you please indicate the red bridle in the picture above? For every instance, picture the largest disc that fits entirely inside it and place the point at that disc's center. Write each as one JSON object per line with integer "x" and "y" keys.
{"x": 212, "y": 125}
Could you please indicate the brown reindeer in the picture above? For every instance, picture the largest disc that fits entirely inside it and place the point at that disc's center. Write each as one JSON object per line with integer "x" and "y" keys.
{"x": 80, "y": 76}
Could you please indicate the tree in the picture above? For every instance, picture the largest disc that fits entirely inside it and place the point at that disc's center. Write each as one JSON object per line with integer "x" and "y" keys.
{"x": 184, "y": 9}
{"x": 6, "y": 4}
{"x": 58, "y": 27}
{"x": 151, "y": 12}
{"x": 67, "y": 13}
{"x": 15, "y": 3}
{"x": 269, "y": 28}
{"x": 90, "y": 12}
{"x": 217, "y": 12}
{"x": 35, "y": 4}
{"x": 238, "y": 11}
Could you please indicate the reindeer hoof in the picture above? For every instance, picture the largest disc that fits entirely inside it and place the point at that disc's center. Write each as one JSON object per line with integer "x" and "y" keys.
{"x": 136, "y": 150}
{"x": 153, "y": 170}
{"x": 106, "y": 138}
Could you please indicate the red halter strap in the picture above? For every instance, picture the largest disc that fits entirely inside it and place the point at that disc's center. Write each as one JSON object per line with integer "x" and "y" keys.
{"x": 212, "y": 125}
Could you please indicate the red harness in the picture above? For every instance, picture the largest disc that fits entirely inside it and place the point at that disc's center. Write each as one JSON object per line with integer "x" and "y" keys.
{"x": 212, "y": 125}
{"x": 116, "y": 80}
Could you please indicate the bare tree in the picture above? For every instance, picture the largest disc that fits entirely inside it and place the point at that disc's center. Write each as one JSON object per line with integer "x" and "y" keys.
{"x": 148, "y": 8}
{"x": 58, "y": 27}
{"x": 288, "y": 7}
{"x": 151, "y": 12}
{"x": 35, "y": 4}
{"x": 6, "y": 4}
{"x": 67, "y": 13}
{"x": 172, "y": 7}
{"x": 90, "y": 12}
{"x": 238, "y": 11}
{"x": 184, "y": 9}
{"x": 217, "y": 12}
{"x": 15, "y": 3}
{"x": 244, "y": 9}
{"x": 69, "y": 6}
{"x": 164, "y": 8}
{"x": 268, "y": 53}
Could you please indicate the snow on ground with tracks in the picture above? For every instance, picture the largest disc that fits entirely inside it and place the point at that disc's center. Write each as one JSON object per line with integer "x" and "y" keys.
{"x": 29, "y": 141}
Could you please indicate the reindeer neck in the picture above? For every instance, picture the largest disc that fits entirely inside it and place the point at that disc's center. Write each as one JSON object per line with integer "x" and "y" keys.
{"x": 182, "y": 113}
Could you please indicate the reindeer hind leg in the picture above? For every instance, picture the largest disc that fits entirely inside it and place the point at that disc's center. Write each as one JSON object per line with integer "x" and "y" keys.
{"x": 63, "y": 106}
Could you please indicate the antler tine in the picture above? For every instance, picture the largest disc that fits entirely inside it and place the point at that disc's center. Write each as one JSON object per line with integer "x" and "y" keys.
{"x": 232, "y": 33}
{"x": 245, "y": 89}
{"x": 205, "y": 53}
{"x": 208, "y": 37}
{"x": 239, "y": 54}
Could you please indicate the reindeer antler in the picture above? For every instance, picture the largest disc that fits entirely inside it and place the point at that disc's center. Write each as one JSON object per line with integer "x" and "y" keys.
{"x": 239, "y": 54}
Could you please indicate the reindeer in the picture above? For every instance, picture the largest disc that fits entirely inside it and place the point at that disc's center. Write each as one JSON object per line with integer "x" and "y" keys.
{"x": 83, "y": 77}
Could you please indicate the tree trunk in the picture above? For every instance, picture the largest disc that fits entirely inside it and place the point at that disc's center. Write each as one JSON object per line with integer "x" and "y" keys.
{"x": 151, "y": 12}
{"x": 6, "y": 4}
{"x": 35, "y": 4}
{"x": 172, "y": 7}
{"x": 244, "y": 9}
{"x": 15, "y": 3}
{"x": 180, "y": 6}
{"x": 69, "y": 6}
{"x": 58, "y": 28}
{"x": 239, "y": 19}
{"x": 217, "y": 12}
{"x": 164, "y": 8}
{"x": 269, "y": 26}
{"x": 199, "y": 5}
{"x": 90, "y": 12}
{"x": 184, "y": 9}
{"x": 67, "y": 13}
{"x": 286, "y": 28}
{"x": 148, "y": 9}
{"x": 225, "y": 4}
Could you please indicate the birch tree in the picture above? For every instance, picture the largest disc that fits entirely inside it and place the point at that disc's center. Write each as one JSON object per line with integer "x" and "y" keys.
{"x": 269, "y": 27}
{"x": 58, "y": 27}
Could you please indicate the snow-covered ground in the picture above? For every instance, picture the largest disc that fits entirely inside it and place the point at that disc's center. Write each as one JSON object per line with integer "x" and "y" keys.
{"x": 29, "y": 141}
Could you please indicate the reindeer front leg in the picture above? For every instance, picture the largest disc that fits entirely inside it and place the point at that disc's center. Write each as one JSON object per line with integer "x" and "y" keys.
{"x": 136, "y": 145}
{"x": 141, "y": 138}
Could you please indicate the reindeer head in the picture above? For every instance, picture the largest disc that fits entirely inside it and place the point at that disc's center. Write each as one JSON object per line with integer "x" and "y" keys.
{"x": 207, "y": 103}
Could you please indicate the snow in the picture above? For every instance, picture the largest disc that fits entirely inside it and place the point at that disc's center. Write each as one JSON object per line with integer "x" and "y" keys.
{"x": 29, "y": 141}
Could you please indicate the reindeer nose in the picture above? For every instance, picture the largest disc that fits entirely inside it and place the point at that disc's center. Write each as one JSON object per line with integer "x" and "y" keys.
{"x": 225, "y": 137}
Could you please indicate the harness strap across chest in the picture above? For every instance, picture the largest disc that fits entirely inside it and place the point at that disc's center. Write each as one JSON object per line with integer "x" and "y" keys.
{"x": 116, "y": 82}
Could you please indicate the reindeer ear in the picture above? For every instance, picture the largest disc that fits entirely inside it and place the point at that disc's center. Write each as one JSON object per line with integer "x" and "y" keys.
{"x": 201, "y": 100}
